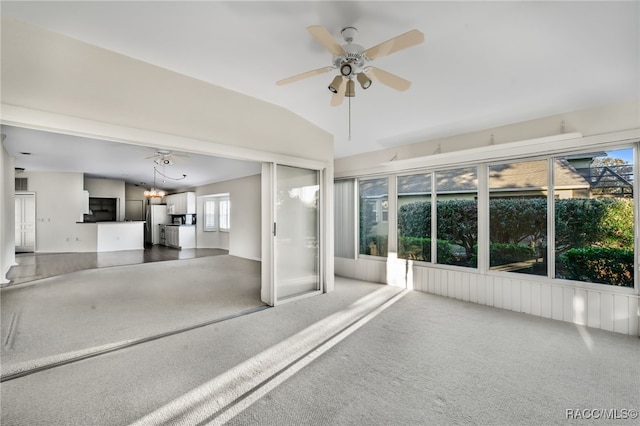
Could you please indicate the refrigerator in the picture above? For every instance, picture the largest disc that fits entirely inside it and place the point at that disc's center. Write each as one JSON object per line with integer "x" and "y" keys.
{"x": 156, "y": 215}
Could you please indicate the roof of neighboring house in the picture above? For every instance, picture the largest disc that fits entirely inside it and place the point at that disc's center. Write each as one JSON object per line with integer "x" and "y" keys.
{"x": 514, "y": 176}
{"x": 533, "y": 175}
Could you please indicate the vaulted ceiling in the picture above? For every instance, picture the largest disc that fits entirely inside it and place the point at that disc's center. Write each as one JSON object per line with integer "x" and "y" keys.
{"x": 482, "y": 65}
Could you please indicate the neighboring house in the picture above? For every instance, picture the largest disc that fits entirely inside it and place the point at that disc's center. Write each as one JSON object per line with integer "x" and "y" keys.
{"x": 526, "y": 179}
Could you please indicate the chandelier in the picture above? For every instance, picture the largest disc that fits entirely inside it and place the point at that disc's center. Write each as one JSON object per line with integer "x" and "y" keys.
{"x": 153, "y": 192}
{"x": 158, "y": 193}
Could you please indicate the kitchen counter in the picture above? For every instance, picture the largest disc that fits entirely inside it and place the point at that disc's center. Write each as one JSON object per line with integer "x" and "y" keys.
{"x": 115, "y": 236}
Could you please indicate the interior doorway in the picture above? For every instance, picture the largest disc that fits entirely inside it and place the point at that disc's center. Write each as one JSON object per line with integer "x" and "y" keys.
{"x": 25, "y": 222}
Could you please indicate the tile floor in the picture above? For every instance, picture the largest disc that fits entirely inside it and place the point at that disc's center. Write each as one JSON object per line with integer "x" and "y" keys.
{"x": 34, "y": 266}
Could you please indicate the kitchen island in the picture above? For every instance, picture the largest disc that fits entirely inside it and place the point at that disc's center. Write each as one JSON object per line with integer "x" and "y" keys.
{"x": 113, "y": 236}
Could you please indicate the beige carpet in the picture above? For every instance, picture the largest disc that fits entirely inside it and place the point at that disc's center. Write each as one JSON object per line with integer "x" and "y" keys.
{"x": 429, "y": 360}
{"x": 77, "y": 313}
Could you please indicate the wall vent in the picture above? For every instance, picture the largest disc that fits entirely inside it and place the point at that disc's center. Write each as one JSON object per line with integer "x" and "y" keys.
{"x": 22, "y": 184}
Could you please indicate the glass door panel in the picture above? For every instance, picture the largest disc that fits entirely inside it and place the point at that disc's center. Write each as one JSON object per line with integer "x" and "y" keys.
{"x": 297, "y": 230}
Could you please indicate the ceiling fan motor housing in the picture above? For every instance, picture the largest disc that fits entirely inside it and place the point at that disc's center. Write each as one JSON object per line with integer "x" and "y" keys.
{"x": 351, "y": 63}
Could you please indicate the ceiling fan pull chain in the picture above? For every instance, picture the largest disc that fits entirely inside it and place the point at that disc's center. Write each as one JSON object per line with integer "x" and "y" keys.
{"x": 349, "y": 118}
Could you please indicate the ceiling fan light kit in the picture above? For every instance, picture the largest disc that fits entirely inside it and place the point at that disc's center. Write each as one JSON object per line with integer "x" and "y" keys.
{"x": 336, "y": 84}
{"x": 350, "y": 60}
{"x": 365, "y": 82}
{"x": 351, "y": 89}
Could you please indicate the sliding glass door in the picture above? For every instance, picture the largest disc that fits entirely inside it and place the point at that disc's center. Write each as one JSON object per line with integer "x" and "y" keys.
{"x": 296, "y": 232}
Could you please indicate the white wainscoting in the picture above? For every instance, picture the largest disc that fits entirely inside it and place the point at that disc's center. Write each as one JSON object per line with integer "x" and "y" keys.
{"x": 598, "y": 308}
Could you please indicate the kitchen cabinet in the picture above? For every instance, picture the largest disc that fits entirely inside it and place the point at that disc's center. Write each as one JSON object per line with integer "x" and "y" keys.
{"x": 180, "y": 236}
{"x": 171, "y": 236}
{"x": 182, "y": 203}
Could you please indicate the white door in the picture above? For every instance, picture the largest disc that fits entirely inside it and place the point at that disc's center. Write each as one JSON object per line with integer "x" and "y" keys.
{"x": 297, "y": 232}
{"x": 25, "y": 222}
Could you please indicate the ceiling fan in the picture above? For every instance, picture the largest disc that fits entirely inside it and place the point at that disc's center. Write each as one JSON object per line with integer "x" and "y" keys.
{"x": 164, "y": 158}
{"x": 351, "y": 60}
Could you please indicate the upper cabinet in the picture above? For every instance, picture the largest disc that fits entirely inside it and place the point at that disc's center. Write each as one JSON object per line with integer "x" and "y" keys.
{"x": 182, "y": 203}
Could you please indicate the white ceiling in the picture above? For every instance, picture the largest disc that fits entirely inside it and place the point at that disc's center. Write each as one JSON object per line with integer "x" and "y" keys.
{"x": 38, "y": 151}
{"x": 482, "y": 65}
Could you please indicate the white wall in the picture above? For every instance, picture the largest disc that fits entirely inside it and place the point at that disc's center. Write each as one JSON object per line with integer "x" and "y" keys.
{"x": 82, "y": 80}
{"x": 107, "y": 188}
{"x": 60, "y": 203}
{"x": 131, "y": 101}
{"x": 244, "y": 238}
{"x": 605, "y": 119}
{"x": 598, "y": 306}
{"x": 7, "y": 219}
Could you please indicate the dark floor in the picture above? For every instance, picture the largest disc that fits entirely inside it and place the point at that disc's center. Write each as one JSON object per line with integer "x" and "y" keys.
{"x": 34, "y": 266}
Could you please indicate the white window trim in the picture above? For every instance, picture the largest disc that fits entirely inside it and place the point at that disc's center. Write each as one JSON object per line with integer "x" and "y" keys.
{"x": 214, "y": 227}
{"x": 630, "y": 139}
{"x": 223, "y": 201}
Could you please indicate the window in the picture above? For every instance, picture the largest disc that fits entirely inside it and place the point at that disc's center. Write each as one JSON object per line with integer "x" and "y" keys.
{"x": 518, "y": 216}
{"x": 594, "y": 223}
{"x": 414, "y": 217}
{"x": 567, "y": 217}
{"x": 225, "y": 214}
{"x": 374, "y": 229}
{"x": 344, "y": 218}
{"x": 210, "y": 215}
{"x": 457, "y": 217}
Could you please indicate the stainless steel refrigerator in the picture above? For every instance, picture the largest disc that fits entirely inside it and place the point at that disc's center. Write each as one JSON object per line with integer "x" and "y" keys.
{"x": 156, "y": 215}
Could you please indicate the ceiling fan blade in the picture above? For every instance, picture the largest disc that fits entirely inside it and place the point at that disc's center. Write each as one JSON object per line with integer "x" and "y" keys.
{"x": 395, "y": 44}
{"x": 337, "y": 98}
{"x": 303, "y": 75}
{"x": 325, "y": 38}
{"x": 388, "y": 79}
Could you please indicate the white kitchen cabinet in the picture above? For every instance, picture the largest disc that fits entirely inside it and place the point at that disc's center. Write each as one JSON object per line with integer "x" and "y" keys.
{"x": 187, "y": 236}
{"x": 169, "y": 200}
{"x": 180, "y": 236}
{"x": 182, "y": 203}
{"x": 171, "y": 236}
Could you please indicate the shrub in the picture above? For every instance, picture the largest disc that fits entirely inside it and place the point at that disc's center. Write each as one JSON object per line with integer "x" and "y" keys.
{"x": 375, "y": 245}
{"x": 599, "y": 265}
{"x": 504, "y": 254}
{"x": 605, "y": 222}
{"x": 420, "y": 249}
{"x": 513, "y": 220}
{"x": 581, "y": 225}
{"x": 414, "y": 219}
{"x": 458, "y": 224}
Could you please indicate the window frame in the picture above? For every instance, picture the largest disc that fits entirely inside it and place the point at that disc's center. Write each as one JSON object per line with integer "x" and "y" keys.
{"x": 224, "y": 201}
{"x": 387, "y": 223}
{"x": 214, "y": 226}
{"x": 605, "y": 143}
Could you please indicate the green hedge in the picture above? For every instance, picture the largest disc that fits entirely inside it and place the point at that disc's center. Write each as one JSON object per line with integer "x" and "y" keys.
{"x": 583, "y": 227}
{"x": 599, "y": 265}
{"x": 504, "y": 254}
{"x": 580, "y": 222}
{"x": 420, "y": 249}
